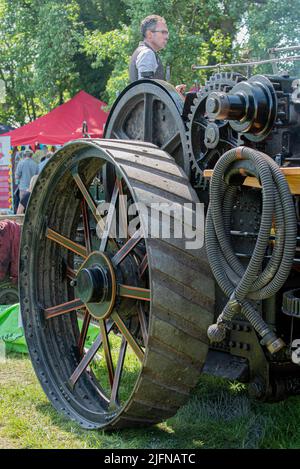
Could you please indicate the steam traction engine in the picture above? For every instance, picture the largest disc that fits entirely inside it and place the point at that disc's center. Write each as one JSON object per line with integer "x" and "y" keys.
{"x": 162, "y": 312}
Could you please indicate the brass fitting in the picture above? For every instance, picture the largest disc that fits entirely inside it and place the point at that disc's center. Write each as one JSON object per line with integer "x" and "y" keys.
{"x": 273, "y": 343}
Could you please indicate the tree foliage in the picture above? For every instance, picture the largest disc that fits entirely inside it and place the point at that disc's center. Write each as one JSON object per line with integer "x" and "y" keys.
{"x": 270, "y": 24}
{"x": 42, "y": 61}
{"x": 50, "y": 49}
{"x": 200, "y": 32}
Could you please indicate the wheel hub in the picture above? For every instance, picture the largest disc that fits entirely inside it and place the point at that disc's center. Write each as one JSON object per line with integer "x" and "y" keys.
{"x": 95, "y": 285}
{"x": 212, "y": 135}
{"x": 92, "y": 284}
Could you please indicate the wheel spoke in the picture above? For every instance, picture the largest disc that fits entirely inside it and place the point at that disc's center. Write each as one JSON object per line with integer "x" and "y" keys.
{"x": 71, "y": 274}
{"x": 120, "y": 135}
{"x": 128, "y": 246}
{"x": 86, "y": 226}
{"x": 63, "y": 308}
{"x": 123, "y": 222}
{"x": 172, "y": 144}
{"x": 107, "y": 352}
{"x": 128, "y": 336}
{"x": 143, "y": 323}
{"x": 137, "y": 293}
{"x": 226, "y": 142}
{"x": 83, "y": 332}
{"x": 88, "y": 198}
{"x": 114, "y": 401}
{"x": 87, "y": 358}
{"x": 110, "y": 217}
{"x": 143, "y": 266}
{"x": 114, "y": 134}
{"x": 66, "y": 243}
{"x": 148, "y": 118}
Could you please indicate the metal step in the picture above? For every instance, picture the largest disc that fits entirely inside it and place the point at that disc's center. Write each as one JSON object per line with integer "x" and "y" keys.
{"x": 227, "y": 366}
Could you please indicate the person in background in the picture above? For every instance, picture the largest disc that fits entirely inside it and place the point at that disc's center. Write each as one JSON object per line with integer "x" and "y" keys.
{"x": 24, "y": 200}
{"x": 10, "y": 233}
{"x": 26, "y": 168}
{"x": 45, "y": 160}
{"x": 145, "y": 61}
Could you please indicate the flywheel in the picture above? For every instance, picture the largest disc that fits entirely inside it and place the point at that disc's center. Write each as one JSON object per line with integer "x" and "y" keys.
{"x": 206, "y": 140}
{"x": 115, "y": 320}
{"x": 150, "y": 111}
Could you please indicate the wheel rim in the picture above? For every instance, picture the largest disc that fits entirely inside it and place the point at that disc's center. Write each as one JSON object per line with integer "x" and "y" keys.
{"x": 150, "y": 111}
{"x": 111, "y": 286}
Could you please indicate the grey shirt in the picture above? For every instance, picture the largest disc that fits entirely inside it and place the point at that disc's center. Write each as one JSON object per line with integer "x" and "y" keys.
{"x": 25, "y": 170}
{"x": 145, "y": 59}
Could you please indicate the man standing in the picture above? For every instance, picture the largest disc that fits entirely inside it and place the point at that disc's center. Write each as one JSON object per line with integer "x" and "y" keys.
{"x": 145, "y": 62}
{"x": 25, "y": 170}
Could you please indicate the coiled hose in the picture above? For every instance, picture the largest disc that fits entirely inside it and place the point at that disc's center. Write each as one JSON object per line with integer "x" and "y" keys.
{"x": 256, "y": 281}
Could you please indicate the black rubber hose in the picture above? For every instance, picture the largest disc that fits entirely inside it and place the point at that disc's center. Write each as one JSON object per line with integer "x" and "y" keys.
{"x": 257, "y": 281}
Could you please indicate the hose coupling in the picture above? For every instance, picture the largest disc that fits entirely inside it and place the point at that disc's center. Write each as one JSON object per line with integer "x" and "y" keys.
{"x": 217, "y": 332}
{"x": 273, "y": 343}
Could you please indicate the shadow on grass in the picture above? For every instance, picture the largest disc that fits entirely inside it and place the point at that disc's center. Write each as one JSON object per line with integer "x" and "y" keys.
{"x": 219, "y": 414}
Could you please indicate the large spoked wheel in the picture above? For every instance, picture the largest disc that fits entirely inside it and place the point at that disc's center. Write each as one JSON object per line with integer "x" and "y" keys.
{"x": 150, "y": 111}
{"x": 115, "y": 322}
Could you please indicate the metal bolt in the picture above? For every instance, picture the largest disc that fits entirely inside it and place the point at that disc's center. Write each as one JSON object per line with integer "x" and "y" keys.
{"x": 212, "y": 105}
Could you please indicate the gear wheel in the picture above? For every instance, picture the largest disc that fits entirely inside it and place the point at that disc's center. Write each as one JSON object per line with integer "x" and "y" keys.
{"x": 207, "y": 141}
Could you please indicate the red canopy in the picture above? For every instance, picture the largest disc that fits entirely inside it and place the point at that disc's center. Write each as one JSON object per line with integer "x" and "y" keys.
{"x": 64, "y": 123}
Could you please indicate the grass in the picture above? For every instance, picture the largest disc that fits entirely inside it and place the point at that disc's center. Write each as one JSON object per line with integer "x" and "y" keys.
{"x": 218, "y": 415}
{"x": 131, "y": 369}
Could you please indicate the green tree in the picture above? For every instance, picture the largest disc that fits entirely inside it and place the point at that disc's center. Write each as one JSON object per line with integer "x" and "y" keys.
{"x": 271, "y": 23}
{"x": 17, "y": 53}
{"x": 200, "y": 32}
{"x": 57, "y": 41}
{"x": 102, "y": 16}
{"x": 50, "y": 49}
{"x": 42, "y": 61}
{"x": 38, "y": 40}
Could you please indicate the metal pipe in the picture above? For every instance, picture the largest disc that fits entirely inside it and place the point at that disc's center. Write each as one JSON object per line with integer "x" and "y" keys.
{"x": 247, "y": 64}
{"x": 282, "y": 49}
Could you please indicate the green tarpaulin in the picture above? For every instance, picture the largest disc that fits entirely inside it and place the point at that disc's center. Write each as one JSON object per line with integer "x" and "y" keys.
{"x": 12, "y": 333}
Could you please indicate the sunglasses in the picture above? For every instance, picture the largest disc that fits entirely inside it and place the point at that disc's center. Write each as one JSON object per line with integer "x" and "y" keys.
{"x": 163, "y": 31}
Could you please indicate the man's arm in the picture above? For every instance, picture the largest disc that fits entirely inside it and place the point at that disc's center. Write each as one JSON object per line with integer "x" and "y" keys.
{"x": 146, "y": 63}
{"x": 180, "y": 88}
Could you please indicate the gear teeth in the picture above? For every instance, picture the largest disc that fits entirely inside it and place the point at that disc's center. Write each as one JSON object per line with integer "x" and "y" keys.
{"x": 223, "y": 81}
